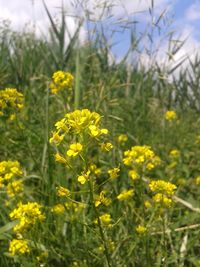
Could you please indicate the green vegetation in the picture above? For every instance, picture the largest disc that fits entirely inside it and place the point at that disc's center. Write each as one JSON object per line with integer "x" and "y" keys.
{"x": 99, "y": 160}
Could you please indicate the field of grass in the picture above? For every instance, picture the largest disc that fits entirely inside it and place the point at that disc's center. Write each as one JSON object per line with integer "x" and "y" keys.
{"x": 99, "y": 161}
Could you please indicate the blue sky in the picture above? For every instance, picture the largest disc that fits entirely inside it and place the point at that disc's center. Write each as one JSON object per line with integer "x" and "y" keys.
{"x": 185, "y": 13}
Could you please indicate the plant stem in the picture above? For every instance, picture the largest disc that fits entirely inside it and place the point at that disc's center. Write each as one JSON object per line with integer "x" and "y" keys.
{"x": 99, "y": 224}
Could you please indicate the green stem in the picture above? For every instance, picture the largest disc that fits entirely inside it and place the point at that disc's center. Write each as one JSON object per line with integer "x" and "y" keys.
{"x": 99, "y": 224}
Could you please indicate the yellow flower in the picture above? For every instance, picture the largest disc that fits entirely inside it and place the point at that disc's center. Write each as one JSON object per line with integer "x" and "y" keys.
{"x": 74, "y": 150}
{"x": 14, "y": 188}
{"x": 58, "y": 209}
{"x": 140, "y": 229}
{"x": 125, "y": 194}
{"x": 141, "y": 156}
{"x": 83, "y": 177}
{"x": 18, "y": 246}
{"x": 147, "y": 204}
{"x": 62, "y": 191}
{"x": 105, "y": 219}
{"x": 162, "y": 187}
{"x": 11, "y": 102}
{"x": 102, "y": 199}
{"x": 114, "y": 173}
{"x": 122, "y": 138}
{"x": 12, "y": 117}
{"x": 170, "y": 115}
{"x": 133, "y": 175}
{"x": 59, "y": 158}
{"x": 106, "y": 146}
{"x": 61, "y": 80}
{"x": 163, "y": 200}
{"x": 56, "y": 138}
{"x": 27, "y": 214}
{"x": 95, "y": 131}
{"x": 197, "y": 180}
{"x": 174, "y": 153}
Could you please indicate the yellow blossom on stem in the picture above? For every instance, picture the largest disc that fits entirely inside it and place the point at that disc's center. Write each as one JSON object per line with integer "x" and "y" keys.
{"x": 114, "y": 173}
{"x": 59, "y": 158}
{"x": 141, "y": 156}
{"x": 11, "y": 102}
{"x": 125, "y": 194}
{"x": 61, "y": 80}
{"x": 170, "y": 115}
{"x": 56, "y": 138}
{"x": 14, "y": 188}
{"x": 133, "y": 175}
{"x": 18, "y": 246}
{"x": 106, "y": 147}
{"x": 197, "y": 180}
{"x": 162, "y": 187}
{"x": 140, "y": 229}
{"x": 102, "y": 199}
{"x": 163, "y": 200}
{"x": 74, "y": 150}
{"x": 105, "y": 219}
{"x": 122, "y": 138}
{"x": 27, "y": 214}
{"x": 58, "y": 209}
{"x": 174, "y": 153}
{"x": 62, "y": 191}
{"x": 82, "y": 179}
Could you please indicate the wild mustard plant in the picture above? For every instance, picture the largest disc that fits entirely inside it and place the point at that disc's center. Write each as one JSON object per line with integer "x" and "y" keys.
{"x": 11, "y": 102}
{"x": 84, "y": 134}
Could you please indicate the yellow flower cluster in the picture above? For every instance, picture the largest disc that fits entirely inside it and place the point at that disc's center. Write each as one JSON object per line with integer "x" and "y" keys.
{"x": 162, "y": 187}
{"x": 102, "y": 199}
{"x": 114, "y": 173}
{"x": 63, "y": 192}
{"x": 9, "y": 169}
{"x": 18, "y": 246}
{"x": 11, "y": 101}
{"x": 125, "y": 194}
{"x": 105, "y": 219}
{"x": 73, "y": 207}
{"x": 170, "y": 115}
{"x": 60, "y": 81}
{"x": 164, "y": 192}
{"x": 10, "y": 172}
{"x": 78, "y": 122}
{"x": 14, "y": 188}
{"x": 141, "y": 156}
{"x": 106, "y": 147}
{"x": 27, "y": 214}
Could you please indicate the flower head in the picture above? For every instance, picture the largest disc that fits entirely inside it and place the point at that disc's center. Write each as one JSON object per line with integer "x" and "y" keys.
{"x": 170, "y": 115}
{"x": 18, "y": 246}
{"x": 61, "y": 80}
{"x": 74, "y": 150}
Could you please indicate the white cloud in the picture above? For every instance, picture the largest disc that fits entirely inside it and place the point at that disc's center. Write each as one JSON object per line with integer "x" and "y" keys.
{"x": 193, "y": 12}
{"x": 32, "y": 14}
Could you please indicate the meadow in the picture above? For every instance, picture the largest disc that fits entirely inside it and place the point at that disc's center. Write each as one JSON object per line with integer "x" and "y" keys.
{"x": 99, "y": 159}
